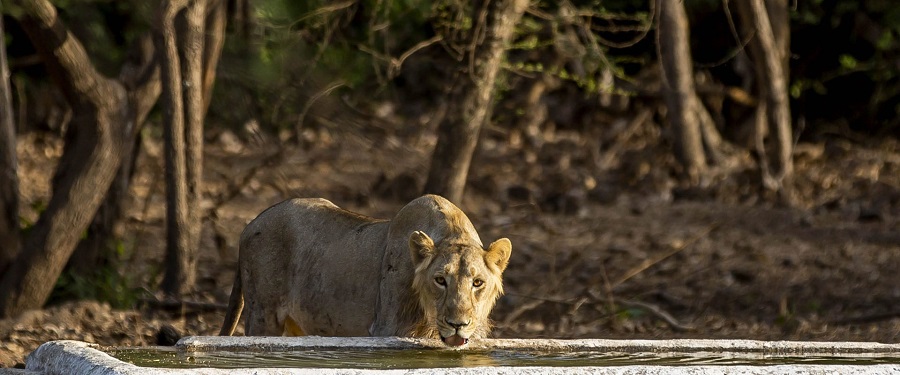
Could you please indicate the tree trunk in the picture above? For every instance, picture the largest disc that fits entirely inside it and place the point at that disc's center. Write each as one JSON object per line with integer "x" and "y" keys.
{"x": 470, "y": 96}
{"x": 192, "y": 40}
{"x": 140, "y": 76}
{"x": 774, "y": 59}
{"x": 240, "y": 12}
{"x": 188, "y": 77}
{"x": 215, "y": 40}
{"x": 178, "y": 248}
{"x": 9, "y": 180}
{"x": 678, "y": 88}
{"x": 769, "y": 52}
{"x": 86, "y": 169}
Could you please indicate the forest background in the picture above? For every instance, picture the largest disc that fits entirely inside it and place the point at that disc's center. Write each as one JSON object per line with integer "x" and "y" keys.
{"x": 702, "y": 168}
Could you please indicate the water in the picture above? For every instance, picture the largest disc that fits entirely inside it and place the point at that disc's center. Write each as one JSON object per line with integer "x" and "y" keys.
{"x": 167, "y": 357}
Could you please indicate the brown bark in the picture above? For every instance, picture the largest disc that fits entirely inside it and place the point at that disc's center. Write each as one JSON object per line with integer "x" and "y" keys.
{"x": 86, "y": 169}
{"x": 678, "y": 87}
{"x": 774, "y": 61}
{"x": 215, "y": 40}
{"x": 192, "y": 40}
{"x": 178, "y": 252}
{"x": 140, "y": 76}
{"x": 9, "y": 180}
{"x": 240, "y": 12}
{"x": 769, "y": 52}
{"x": 189, "y": 59}
{"x": 470, "y": 96}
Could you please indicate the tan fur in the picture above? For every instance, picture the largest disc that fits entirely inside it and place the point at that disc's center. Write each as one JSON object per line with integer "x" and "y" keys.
{"x": 308, "y": 267}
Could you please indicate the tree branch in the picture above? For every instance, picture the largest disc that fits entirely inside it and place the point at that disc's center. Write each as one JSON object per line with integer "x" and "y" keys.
{"x": 86, "y": 169}
{"x": 62, "y": 53}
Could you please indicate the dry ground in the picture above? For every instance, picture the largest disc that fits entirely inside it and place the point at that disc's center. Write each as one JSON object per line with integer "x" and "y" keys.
{"x": 605, "y": 243}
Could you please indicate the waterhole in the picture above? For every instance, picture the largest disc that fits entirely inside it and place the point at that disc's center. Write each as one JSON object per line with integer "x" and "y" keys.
{"x": 356, "y": 358}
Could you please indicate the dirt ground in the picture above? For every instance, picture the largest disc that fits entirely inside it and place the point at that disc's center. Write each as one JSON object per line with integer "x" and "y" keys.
{"x": 606, "y": 244}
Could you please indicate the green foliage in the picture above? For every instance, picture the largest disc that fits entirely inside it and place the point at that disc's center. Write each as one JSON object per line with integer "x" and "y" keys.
{"x": 106, "y": 28}
{"x": 107, "y": 283}
{"x": 856, "y": 67}
{"x": 589, "y": 36}
{"x": 302, "y": 47}
{"x": 848, "y": 62}
{"x": 630, "y": 313}
{"x": 25, "y": 225}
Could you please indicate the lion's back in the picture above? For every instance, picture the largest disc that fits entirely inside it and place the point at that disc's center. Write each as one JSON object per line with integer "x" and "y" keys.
{"x": 317, "y": 262}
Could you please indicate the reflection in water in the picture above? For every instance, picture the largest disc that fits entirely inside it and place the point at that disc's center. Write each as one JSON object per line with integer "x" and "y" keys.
{"x": 435, "y": 358}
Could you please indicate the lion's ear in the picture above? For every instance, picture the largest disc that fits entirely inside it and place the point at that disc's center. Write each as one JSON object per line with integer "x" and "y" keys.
{"x": 420, "y": 246}
{"x": 498, "y": 253}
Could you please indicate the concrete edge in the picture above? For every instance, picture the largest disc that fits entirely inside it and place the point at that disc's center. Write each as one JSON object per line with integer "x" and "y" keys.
{"x": 75, "y": 357}
{"x": 16, "y": 371}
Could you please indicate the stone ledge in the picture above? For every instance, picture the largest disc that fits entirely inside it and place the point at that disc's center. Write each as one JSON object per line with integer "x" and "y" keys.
{"x": 75, "y": 357}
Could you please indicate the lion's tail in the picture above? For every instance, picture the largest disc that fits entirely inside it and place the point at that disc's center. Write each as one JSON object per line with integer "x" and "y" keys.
{"x": 235, "y": 305}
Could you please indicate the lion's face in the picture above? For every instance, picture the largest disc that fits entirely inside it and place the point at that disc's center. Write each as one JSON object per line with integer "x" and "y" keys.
{"x": 457, "y": 284}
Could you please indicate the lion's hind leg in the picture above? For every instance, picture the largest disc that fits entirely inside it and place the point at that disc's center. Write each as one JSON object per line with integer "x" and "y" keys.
{"x": 261, "y": 322}
{"x": 291, "y": 328}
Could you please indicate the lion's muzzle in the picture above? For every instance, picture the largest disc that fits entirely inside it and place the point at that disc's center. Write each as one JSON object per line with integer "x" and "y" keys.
{"x": 455, "y": 340}
{"x": 457, "y": 334}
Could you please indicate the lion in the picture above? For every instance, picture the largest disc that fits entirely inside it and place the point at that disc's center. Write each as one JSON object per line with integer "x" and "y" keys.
{"x": 308, "y": 267}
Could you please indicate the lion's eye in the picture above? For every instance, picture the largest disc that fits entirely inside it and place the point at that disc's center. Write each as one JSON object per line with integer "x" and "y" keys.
{"x": 440, "y": 281}
{"x": 477, "y": 283}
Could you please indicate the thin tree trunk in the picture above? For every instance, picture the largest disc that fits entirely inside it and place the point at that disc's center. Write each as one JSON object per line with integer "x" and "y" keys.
{"x": 779, "y": 18}
{"x": 215, "y": 40}
{"x": 192, "y": 41}
{"x": 773, "y": 60}
{"x": 86, "y": 169}
{"x": 678, "y": 87}
{"x": 769, "y": 51}
{"x": 9, "y": 180}
{"x": 191, "y": 73}
{"x": 240, "y": 12}
{"x": 470, "y": 97}
{"x": 178, "y": 246}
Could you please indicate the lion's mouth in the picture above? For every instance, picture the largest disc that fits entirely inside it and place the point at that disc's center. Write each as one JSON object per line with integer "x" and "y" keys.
{"x": 455, "y": 340}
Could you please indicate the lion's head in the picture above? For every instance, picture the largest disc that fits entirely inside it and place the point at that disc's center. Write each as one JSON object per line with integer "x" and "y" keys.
{"x": 458, "y": 283}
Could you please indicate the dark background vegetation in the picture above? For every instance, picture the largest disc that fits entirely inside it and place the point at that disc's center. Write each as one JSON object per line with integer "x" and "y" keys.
{"x": 577, "y": 164}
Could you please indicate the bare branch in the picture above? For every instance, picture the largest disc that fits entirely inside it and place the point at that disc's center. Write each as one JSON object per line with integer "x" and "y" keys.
{"x": 398, "y": 63}
{"x": 312, "y": 100}
{"x": 331, "y": 8}
{"x": 643, "y": 266}
{"x": 63, "y": 54}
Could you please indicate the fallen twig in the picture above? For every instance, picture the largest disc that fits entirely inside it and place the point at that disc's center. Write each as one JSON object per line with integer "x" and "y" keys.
{"x": 651, "y": 308}
{"x": 647, "y": 263}
{"x": 659, "y": 313}
{"x": 599, "y": 300}
{"x": 526, "y": 307}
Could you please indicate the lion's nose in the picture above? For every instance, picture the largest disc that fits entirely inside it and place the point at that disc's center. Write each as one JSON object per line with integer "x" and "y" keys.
{"x": 457, "y": 324}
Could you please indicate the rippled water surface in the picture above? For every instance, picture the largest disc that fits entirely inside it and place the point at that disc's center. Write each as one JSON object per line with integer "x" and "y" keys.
{"x": 431, "y": 358}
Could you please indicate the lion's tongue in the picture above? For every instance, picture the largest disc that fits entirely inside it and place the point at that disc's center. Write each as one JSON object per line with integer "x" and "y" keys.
{"x": 455, "y": 340}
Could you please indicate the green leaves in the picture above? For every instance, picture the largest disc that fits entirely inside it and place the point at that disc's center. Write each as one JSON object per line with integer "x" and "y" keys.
{"x": 848, "y": 62}
{"x": 108, "y": 283}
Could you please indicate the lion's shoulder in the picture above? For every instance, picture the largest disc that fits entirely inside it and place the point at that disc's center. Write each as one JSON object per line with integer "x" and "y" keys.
{"x": 438, "y": 217}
